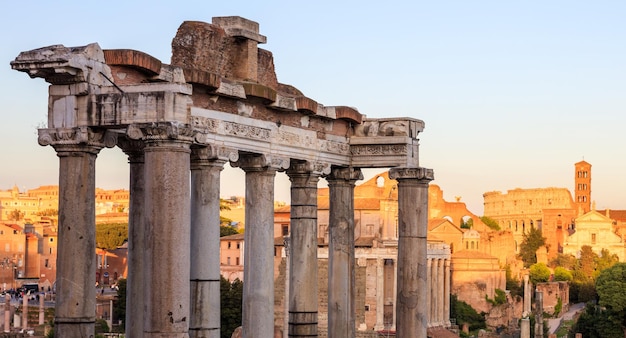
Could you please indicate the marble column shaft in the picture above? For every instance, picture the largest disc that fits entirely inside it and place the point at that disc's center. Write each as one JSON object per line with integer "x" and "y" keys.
{"x": 258, "y": 286}
{"x": 135, "y": 282}
{"x": 205, "y": 246}
{"x": 446, "y": 293}
{"x": 303, "y": 290}
{"x": 76, "y": 271}
{"x": 527, "y": 297}
{"x": 341, "y": 270}
{"x": 441, "y": 289}
{"x": 167, "y": 223}
{"x": 412, "y": 315}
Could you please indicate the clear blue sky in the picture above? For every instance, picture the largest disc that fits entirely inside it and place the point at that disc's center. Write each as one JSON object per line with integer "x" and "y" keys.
{"x": 513, "y": 93}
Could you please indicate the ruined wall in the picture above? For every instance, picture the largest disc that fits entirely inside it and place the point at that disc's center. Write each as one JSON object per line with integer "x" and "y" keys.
{"x": 552, "y": 292}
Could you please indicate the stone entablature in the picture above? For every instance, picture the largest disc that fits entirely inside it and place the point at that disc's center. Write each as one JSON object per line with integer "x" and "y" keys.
{"x": 127, "y": 90}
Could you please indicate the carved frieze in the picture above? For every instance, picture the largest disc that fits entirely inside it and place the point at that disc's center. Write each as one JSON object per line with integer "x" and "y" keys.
{"x": 379, "y": 149}
{"x": 247, "y": 131}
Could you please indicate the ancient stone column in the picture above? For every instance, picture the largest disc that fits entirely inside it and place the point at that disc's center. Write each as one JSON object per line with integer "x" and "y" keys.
{"x": 303, "y": 291}
{"x": 258, "y": 284}
{"x": 433, "y": 292}
{"x": 525, "y": 328}
{"x": 341, "y": 273}
{"x": 380, "y": 296}
{"x": 7, "y": 313}
{"x": 440, "y": 293}
{"x": 25, "y": 310}
{"x": 206, "y": 166}
{"x": 527, "y": 297}
{"x": 135, "y": 281}
{"x": 429, "y": 287}
{"x": 41, "y": 310}
{"x": 167, "y": 226}
{"x": 411, "y": 306}
{"x": 538, "y": 314}
{"x": 446, "y": 294}
{"x": 77, "y": 149}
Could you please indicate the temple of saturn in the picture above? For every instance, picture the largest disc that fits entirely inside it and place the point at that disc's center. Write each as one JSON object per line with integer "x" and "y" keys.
{"x": 218, "y": 101}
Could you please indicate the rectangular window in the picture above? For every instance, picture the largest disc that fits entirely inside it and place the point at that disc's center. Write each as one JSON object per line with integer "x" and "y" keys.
{"x": 236, "y": 260}
{"x": 593, "y": 238}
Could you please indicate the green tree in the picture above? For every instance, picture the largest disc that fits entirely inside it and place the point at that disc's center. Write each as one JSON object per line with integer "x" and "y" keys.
{"x": 227, "y": 231}
{"x": 562, "y": 274}
{"x": 111, "y": 235}
{"x": 231, "y": 297}
{"x": 566, "y": 261}
{"x": 539, "y": 273}
{"x": 596, "y": 322}
{"x": 512, "y": 283}
{"x": 611, "y": 288}
{"x": 464, "y": 313}
{"x": 586, "y": 262}
{"x": 532, "y": 241}
{"x": 119, "y": 306}
{"x": 604, "y": 261}
{"x": 490, "y": 222}
{"x": 48, "y": 212}
{"x": 467, "y": 224}
{"x": 15, "y": 215}
{"x": 499, "y": 299}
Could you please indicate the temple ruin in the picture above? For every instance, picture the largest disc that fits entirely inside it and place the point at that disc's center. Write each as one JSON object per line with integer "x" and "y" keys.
{"x": 218, "y": 101}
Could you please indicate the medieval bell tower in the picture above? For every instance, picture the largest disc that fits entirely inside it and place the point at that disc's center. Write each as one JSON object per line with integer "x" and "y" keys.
{"x": 582, "y": 186}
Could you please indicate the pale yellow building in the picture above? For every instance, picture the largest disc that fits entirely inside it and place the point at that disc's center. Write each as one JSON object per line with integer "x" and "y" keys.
{"x": 597, "y": 231}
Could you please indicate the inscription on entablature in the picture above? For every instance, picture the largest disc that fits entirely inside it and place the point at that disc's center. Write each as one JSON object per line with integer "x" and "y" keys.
{"x": 286, "y": 137}
{"x": 379, "y": 149}
{"x": 243, "y": 130}
{"x": 334, "y": 147}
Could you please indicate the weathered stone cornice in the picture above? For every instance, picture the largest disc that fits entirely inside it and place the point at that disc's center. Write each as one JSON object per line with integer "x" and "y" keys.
{"x": 58, "y": 64}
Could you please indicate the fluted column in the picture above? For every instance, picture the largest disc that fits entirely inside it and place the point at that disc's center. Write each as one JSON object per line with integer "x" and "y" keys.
{"x": 446, "y": 294}
{"x": 77, "y": 149}
{"x": 433, "y": 292}
{"x": 206, "y": 166}
{"x": 411, "y": 319}
{"x": 167, "y": 227}
{"x": 135, "y": 282}
{"x": 303, "y": 291}
{"x": 429, "y": 288}
{"x": 258, "y": 286}
{"x": 440, "y": 291}
{"x": 380, "y": 295}
{"x": 527, "y": 297}
{"x": 341, "y": 273}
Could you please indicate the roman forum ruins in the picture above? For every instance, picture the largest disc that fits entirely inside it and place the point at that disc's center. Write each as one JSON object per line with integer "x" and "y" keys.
{"x": 218, "y": 101}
